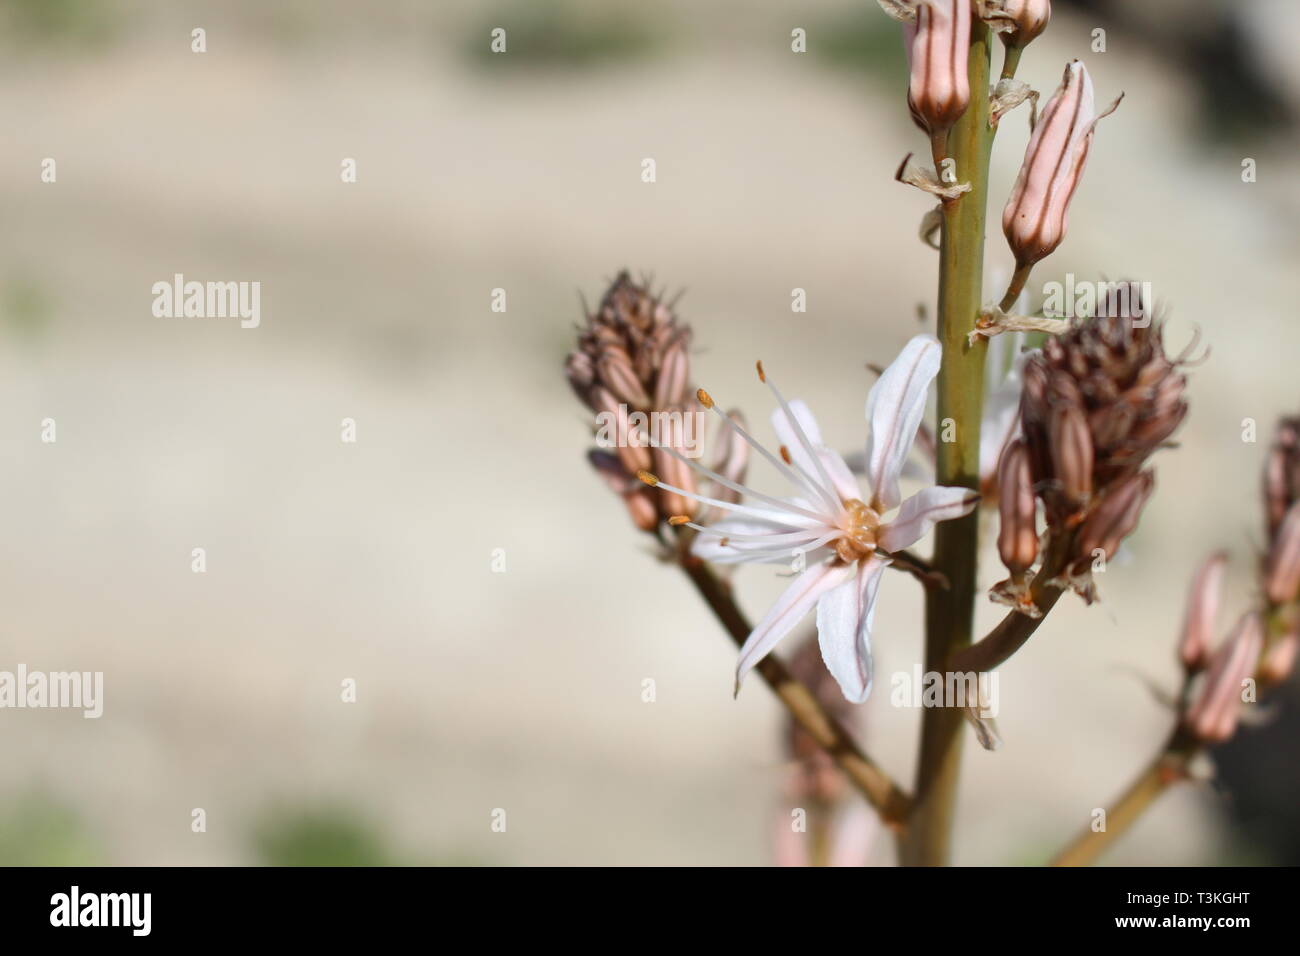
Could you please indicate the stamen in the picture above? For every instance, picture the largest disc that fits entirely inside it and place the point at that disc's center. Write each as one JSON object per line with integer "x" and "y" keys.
{"x": 726, "y": 505}
{"x": 704, "y": 397}
{"x": 794, "y": 477}
{"x": 762, "y": 376}
{"x": 785, "y": 455}
{"x": 741, "y": 489}
{"x": 679, "y": 519}
{"x": 807, "y": 445}
{"x": 648, "y": 478}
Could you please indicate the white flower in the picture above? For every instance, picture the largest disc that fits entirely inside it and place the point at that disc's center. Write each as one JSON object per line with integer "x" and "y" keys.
{"x": 842, "y": 534}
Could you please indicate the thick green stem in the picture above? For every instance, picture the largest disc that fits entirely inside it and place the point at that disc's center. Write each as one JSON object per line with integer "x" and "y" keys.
{"x": 950, "y": 612}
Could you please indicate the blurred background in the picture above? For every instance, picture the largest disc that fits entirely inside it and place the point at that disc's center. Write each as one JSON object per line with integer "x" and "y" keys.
{"x": 373, "y": 561}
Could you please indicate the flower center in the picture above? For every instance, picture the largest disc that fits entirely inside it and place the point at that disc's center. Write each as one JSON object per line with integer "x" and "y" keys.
{"x": 860, "y": 526}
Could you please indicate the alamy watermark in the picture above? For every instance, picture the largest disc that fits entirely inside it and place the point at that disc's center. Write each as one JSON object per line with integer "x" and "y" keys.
{"x": 208, "y": 300}
{"x": 948, "y": 689}
{"x": 1071, "y": 299}
{"x": 74, "y": 690}
{"x": 681, "y": 431}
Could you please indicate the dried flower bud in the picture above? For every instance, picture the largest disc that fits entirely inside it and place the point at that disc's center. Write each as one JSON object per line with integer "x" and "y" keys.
{"x": 937, "y": 49}
{"x": 1035, "y": 216}
{"x": 633, "y": 360}
{"x": 1071, "y": 447}
{"x": 1212, "y": 718}
{"x": 1115, "y": 517}
{"x": 638, "y": 498}
{"x": 1282, "y": 582}
{"x": 1018, "y": 21}
{"x": 672, "y": 470}
{"x": 1017, "y": 506}
{"x": 1202, "y": 608}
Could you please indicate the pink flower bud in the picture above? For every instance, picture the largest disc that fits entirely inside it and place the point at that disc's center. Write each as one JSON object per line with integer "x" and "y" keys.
{"x": 1018, "y": 21}
{"x": 1035, "y": 217}
{"x": 1115, "y": 516}
{"x": 1070, "y": 442}
{"x": 1018, "y": 534}
{"x": 1283, "y": 581}
{"x": 1213, "y": 716}
{"x": 938, "y": 47}
{"x": 1202, "y": 608}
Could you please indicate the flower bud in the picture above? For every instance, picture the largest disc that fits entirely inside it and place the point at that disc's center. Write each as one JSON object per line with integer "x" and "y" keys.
{"x": 1071, "y": 448}
{"x": 637, "y": 497}
{"x": 672, "y": 469}
{"x": 1212, "y": 718}
{"x": 1035, "y": 216}
{"x": 1202, "y": 607}
{"x": 1018, "y": 21}
{"x": 672, "y": 384}
{"x": 1115, "y": 516}
{"x": 1282, "y": 584}
{"x": 937, "y": 48}
{"x": 1018, "y": 534}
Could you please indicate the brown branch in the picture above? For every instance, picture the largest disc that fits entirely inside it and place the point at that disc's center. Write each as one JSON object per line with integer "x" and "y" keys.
{"x": 881, "y": 792}
{"x": 1169, "y": 767}
{"x": 996, "y": 647}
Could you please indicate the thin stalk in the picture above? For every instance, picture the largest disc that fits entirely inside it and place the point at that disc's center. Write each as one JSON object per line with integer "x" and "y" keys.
{"x": 996, "y": 647}
{"x": 880, "y": 791}
{"x": 1169, "y": 767}
{"x": 950, "y": 612}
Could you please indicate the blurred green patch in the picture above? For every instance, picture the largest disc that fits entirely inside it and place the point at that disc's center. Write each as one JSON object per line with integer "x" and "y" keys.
{"x": 565, "y": 34}
{"x": 38, "y": 831}
{"x": 332, "y": 835}
{"x": 26, "y": 307}
{"x": 863, "y": 39}
{"x": 60, "y": 22}
{"x": 321, "y": 836}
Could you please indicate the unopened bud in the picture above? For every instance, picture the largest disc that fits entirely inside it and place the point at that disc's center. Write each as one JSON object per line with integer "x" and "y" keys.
{"x": 1212, "y": 718}
{"x": 1071, "y": 448}
{"x": 616, "y": 371}
{"x": 1018, "y": 21}
{"x": 673, "y": 470}
{"x": 673, "y": 379}
{"x": 938, "y": 48}
{"x": 1018, "y": 534}
{"x": 1035, "y": 216}
{"x": 638, "y": 498}
{"x": 1115, "y": 516}
{"x": 1202, "y": 607}
{"x": 1283, "y": 582}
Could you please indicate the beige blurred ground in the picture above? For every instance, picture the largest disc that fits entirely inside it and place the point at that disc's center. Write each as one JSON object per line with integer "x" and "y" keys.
{"x": 371, "y": 561}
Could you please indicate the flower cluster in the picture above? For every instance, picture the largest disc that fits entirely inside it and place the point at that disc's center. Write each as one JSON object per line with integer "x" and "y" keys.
{"x": 1097, "y": 402}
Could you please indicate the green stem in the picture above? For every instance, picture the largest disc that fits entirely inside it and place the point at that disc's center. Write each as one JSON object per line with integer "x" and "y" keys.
{"x": 950, "y": 612}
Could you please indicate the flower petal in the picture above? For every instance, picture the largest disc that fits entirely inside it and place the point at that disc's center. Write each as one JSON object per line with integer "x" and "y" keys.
{"x": 788, "y": 611}
{"x": 844, "y": 617}
{"x": 846, "y": 486}
{"x": 895, "y": 408}
{"x": 922, "y": 511}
